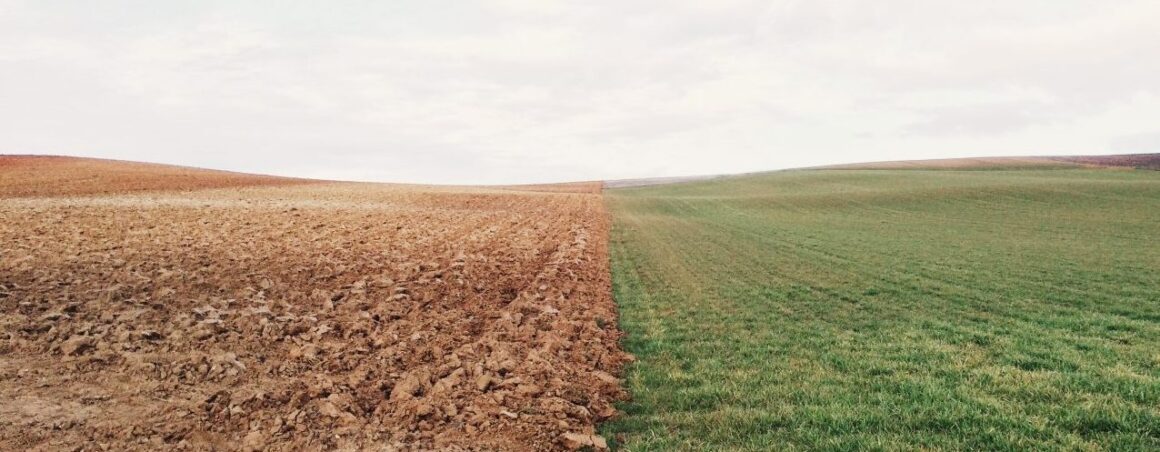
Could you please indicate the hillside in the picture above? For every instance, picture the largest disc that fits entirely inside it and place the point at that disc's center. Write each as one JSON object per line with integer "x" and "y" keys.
{"x": 1011, "y": 306}
{"x": 1134, "y": 161}
{"x": 1141, "y": 161}
{"x": 891, "y": 309}
{"x": 34, "y": 175}
{"x": 1138, "y": 161}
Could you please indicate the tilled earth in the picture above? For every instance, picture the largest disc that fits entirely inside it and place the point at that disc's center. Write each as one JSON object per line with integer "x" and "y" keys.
{"x": 307, "y": 316}
{"x": 46, "y": 175}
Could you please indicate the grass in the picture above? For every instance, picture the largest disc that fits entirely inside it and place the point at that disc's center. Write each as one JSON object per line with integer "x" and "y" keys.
{"x": 855, "y": 310}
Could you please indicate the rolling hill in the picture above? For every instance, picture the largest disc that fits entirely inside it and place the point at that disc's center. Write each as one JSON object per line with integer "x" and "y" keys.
{"x": 864, "y": 309}
{"x": 981, "y": 304}
{"x": 41, "y": 176}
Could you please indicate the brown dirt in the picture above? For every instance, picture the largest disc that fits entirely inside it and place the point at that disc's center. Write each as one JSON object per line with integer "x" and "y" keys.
{"x": 594, "y": 188}
{"x": 317, "y": 316}
{"x": 1141, "y": 161}
{"x": 38, "y": 175}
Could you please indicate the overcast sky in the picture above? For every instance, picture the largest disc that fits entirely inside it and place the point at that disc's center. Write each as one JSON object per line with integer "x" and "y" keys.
{"x": 511, "y": 91}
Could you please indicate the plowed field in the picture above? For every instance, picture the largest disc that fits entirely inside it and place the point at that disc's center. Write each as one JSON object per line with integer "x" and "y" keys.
{"x": 37, "y": 175}
{"x": 304, "y": 316}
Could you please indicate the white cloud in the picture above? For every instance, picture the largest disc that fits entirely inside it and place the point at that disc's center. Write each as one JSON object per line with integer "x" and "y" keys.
{"x": 527, "y": 91}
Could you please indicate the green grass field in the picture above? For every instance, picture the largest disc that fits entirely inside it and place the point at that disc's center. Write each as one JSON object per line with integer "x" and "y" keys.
{"x": 854, "y": 310}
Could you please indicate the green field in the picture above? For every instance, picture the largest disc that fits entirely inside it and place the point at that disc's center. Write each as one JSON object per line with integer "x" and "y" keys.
{"x": 853, "y": 310}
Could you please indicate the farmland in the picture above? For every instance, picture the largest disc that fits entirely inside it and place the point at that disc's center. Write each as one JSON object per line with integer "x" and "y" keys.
{"x": 891, "y": 309}
{"x": 156, "y": 308}
{"x": 1136, "y": 161}
{"x": 44, "y": 175}
{"x": 996, "y": 303}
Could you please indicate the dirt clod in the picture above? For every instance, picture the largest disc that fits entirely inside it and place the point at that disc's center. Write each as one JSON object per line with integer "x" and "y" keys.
{"x": 575, "y": 441}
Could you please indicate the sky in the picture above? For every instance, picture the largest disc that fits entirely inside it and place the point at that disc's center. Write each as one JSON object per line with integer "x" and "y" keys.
{"x": 523, "y": 91}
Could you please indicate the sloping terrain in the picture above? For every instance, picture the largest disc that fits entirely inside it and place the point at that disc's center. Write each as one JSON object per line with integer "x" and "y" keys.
{"x": 976, "y": 163}
{"x": 1135, "y": 161}
{"x": 1141, "y": 161}
{"x": 592, "y": 188}
{"x": 35, "y": 175}
{"x": 891, "y": 310}
{"x": 628, "y": 183}
{"x": 302, "y": 317}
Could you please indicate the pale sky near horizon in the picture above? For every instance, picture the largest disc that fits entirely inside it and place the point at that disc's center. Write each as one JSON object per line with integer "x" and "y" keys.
{"x": 511, "y": 91}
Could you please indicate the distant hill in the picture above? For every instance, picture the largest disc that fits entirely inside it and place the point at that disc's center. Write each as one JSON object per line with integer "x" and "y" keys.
{"x": 626, "y": 183}
{"x": 1142, "y": 161}
{"x": 591, "y": 187}
{"x": 24, "y": 176}
{"x": 1139, "y": 161}
{"x": 36, "y": 175}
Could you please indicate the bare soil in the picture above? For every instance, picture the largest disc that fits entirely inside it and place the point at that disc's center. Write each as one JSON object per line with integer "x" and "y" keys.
{"x": 39, "y": 175}
{"x": 1141, "y": 161}
{"x": 302, "y": 316}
